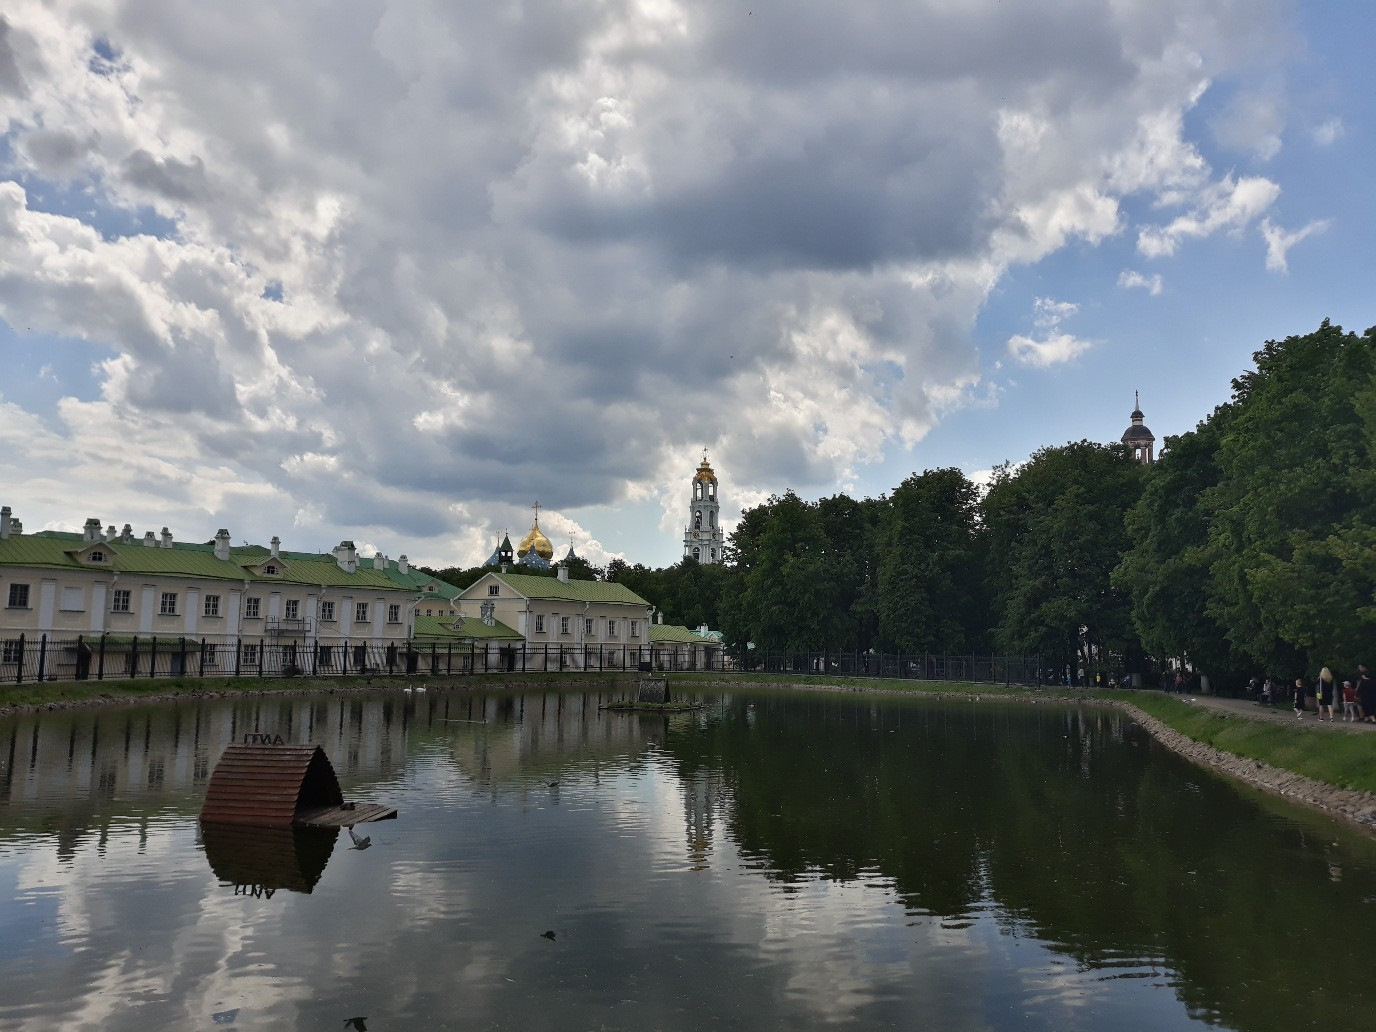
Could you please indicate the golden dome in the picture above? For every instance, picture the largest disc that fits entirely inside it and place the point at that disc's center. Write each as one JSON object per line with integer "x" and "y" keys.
{"x": 536, "y": 540}
{"x": 704, "y": 472}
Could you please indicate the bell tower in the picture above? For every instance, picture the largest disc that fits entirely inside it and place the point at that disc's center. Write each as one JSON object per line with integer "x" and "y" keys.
{"x": 703, "y": 538}
{"x": 1140, "y": 441}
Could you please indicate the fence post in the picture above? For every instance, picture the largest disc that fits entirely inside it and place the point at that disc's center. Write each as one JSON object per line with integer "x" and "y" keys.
{"x": 202, "y": 663}
{"x": 153, "y": 658}
{"x": 100, "y": 660}
{"x": 19, "y": 667}
{"x": 262, "y": 657}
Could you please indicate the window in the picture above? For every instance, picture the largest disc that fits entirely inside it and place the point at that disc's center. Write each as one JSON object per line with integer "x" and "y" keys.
{"x": 95, "y": 557}
{"x": 270, "y": 570}
{"x": 327, "y": 611}
{"x": 587, "y": 628}
{"x": 611, "y": 628}
{"x": 324, "y": 657}
{"x": 697, "y": 553}
{"x": 253, "y": 608}
{"x": 564, "y": 625}
{"x": 11, "y": 653}
{"x": 73, "y": 600}
{"x": 494, "y": 589}
{"x": 539, "y": 624}
{"x": 635, "y": 628}
{"x": 293, "y": 610}
{"x": 360, "y": 612}
{"x": 210, "y": 655}
{"x": 714, "y": 555}
{"x": 19, "y": 596}
{"x": 697, "y": 520}
{"x": 248, "y": 655}
{"x": 169, "y": 604}
{"x": 212, "y": 606}
{"x": 394, "y": 613}
{"x": 121, "y": 601}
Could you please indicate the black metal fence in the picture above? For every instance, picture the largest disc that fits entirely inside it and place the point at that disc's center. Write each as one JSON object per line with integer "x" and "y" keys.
{"x": 109, "y": 657}
{"x": 917, "y": 666}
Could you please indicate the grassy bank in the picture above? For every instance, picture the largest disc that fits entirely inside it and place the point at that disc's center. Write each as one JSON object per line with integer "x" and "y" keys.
{"x": 1342, "y": 760}
{"x": 1330, "y": 756}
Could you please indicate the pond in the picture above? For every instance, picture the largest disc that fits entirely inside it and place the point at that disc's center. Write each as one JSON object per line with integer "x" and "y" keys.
{"x": 772, "y": 861}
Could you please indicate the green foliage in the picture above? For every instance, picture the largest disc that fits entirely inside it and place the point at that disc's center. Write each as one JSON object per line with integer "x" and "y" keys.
{"x": 1055, "y": 532}
{"x": 928, "y": 565}
{"x": 1292, "y": 514}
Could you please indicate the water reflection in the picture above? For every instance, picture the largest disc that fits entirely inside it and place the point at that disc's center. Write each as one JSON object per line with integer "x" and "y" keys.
{"x": 769, "y": 862}
{"x": 259, "y": 861}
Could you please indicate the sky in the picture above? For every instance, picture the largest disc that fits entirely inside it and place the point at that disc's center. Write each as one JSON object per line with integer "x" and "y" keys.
{"x": 394, "y": 271}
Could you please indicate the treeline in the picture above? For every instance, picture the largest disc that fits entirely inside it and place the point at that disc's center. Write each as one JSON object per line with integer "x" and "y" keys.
{"x": 1248, "y": 548}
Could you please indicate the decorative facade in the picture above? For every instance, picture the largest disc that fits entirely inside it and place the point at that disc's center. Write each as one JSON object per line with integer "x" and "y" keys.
{"x": 703, "y": 538}
{"x": 246, "y": 609}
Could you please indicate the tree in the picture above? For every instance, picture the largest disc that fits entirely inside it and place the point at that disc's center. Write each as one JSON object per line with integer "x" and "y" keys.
{"x": 1055, "y": 532}
{"x": 1291, "y": 528}
{"x": 928, "y": 577}
{"x": 1167, "y": 569}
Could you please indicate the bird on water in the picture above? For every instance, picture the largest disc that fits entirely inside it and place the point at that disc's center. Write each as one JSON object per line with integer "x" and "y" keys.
{"x": 359, "y": 843}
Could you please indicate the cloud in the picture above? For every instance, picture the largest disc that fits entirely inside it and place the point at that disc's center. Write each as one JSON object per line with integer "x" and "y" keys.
{"x": 1055, "y": 346}
{"x": 1327, "y": 133}
{"x": 1130, "y": 278}
{"x": 417, "y": 263}
{"x": 1279, "y": 241}
{"x": 1251, "y": 123}
{"x": 1231, "y": 205}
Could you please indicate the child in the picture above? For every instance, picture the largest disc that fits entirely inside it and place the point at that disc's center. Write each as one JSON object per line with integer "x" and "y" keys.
{"x": 1349, "y": 701}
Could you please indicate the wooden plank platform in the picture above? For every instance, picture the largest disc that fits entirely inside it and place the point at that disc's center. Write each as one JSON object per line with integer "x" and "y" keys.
{"x": 339, "y": 817}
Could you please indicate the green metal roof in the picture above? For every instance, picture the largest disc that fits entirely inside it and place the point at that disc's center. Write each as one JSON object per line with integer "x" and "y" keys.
{"x": 442, "y": 628}
{"x": 671, "y": 634}
{"x": 571, "y": 590}
{"x": 54, "y": 550}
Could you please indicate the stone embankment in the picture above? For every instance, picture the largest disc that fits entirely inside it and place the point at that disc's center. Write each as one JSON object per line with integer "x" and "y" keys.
{"x": 1355, "y": 807}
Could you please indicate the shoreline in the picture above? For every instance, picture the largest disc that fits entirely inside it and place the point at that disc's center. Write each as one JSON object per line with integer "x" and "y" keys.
{"x": 1351, "y": 806}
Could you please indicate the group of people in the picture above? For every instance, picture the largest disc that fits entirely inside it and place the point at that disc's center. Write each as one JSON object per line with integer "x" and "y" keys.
{"x": 1354, "y": 699}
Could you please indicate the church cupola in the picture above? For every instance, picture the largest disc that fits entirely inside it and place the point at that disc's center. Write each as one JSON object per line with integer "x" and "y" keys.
{"x": 1140, "y": 441}
{"x": 703, "y": 538}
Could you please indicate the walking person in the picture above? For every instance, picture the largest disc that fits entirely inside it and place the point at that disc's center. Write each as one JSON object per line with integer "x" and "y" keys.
{"x": 1323, "y": 693}
{"x": 1299, "y": 698}
{"x": 1366, "y": 695}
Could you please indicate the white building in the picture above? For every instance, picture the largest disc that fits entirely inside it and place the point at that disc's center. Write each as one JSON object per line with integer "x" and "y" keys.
{"x": 703, "y": 538}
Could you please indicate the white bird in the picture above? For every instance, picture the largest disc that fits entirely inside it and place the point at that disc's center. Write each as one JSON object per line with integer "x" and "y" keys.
{"x": 359, "y": 843}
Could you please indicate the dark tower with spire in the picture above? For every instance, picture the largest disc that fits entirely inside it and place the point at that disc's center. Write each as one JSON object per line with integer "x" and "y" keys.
{"x": 1140, "y": 440}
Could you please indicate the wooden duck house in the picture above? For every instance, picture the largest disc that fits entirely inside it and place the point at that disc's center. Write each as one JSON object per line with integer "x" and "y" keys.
{"x": 278, "y": 786}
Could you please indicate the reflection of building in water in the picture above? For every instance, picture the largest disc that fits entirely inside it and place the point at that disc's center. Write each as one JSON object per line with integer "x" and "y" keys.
{"x": 504, "y": 740}
{"x": 703, "y": 793}
{"x": 126, "y": 760}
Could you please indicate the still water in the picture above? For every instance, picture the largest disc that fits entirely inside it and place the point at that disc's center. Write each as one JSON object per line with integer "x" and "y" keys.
{"x": 773, "y": 861}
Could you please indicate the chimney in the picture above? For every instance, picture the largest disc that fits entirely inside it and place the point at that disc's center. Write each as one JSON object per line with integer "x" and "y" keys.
{"x": 91, "y": 532}
{"x": 563, "y": 574}
{"x": 126, "y": 536}
{"x": 379, "y": 561}
{"x": 659, "y": 618}
{"x": 222, "y": 545}
{"x": 403, "y": 567}
{"x": 346, "y": 555}
{"x": 110, "y": 534}
{"x": 4, "y": 522}
{"x": 276, "y": 547}
{"x": 149, "y": 541}
{"x": 166, "y": 538}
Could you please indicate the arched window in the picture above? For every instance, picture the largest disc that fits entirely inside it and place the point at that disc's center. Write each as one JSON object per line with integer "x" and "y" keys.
{"x": 697, "y": 554}
{"x": 712, "y": 519}
{"x": 697, "y": 520}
